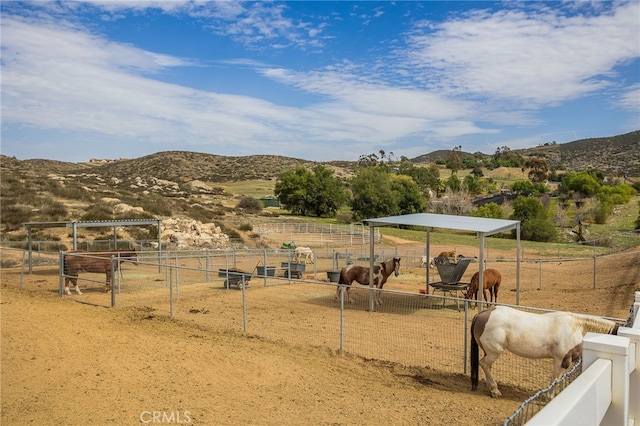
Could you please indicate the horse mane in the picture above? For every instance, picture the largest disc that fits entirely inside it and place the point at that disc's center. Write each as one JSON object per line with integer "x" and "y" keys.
{"x": 590, "y": 323}
{"x": 389, "y": 262}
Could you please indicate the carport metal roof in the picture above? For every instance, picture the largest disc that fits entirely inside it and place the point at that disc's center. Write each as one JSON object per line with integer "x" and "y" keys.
{"x": 481, "y": 226}
{"x": 463, "y": 223}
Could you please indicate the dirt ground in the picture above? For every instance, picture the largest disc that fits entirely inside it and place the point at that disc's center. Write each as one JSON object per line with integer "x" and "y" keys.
{"x": 72, "y": 363}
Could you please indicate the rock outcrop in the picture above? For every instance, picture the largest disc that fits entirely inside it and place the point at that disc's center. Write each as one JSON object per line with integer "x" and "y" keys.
{"x": 181, "y": 233}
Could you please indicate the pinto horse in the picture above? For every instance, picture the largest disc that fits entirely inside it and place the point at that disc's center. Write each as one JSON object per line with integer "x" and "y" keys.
{"x": 83, "y": 261}
{"x": 360, "y": 274}
{"x": 491, "y": 278}
{"x": 556, "y": 335}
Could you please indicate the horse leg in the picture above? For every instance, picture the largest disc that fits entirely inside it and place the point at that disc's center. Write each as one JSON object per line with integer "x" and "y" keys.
{"x": 486, "y": 362}
{"x": 107, "y": 287}
{"x": 74, "y": 283}
{"x": 339, "y": 290}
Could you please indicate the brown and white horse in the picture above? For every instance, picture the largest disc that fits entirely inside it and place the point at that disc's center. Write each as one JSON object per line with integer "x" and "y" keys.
{"x": 556, "y": 335}
{"x": 360, "y": 274}
{"x": 83, "y": 261}
{"x": 491, "y": 278}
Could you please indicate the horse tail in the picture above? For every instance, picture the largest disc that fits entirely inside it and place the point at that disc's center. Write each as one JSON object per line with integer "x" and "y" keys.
{"x": 474, "y": 357}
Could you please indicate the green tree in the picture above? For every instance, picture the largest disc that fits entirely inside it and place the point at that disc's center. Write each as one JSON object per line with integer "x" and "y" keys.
{"x": 535, "y": 223}
{"x": 489, "y": 210}
{"x": 528, "y": 187}
{"x": 454, "y": 184}
{"x": 538, "y": 169}
{"x": 425, "y": 177}
{"x": 307, "y": 192}
{"x": 582, "y": 182}
{"x": 407, "y": 194}
{"x": 373, "y": 195}
{"x": 504, "y": 157}
{"x": 327, "y": 193}
{"x": 292, "y": 190}
{"x": 473, "y": 184}
{"x": 454, "y": 159}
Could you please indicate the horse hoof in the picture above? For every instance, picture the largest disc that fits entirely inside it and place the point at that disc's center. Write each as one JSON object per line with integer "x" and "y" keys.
{"x": 496, "y": 394}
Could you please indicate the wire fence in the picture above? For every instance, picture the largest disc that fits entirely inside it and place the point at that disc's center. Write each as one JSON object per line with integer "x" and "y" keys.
{"x": 263, "y": 293}
{"x": 536, "y": 402}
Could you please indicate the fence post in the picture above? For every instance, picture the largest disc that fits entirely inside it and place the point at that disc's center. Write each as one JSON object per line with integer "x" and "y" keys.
{"x": 466, "y": 332}
{"x": 595, "y": 257}
{"x": 265, "y": 263}
{"x": 61, "y": 274}
{"x": 113, "y": 281}
{"x": 616, "y": 349}
{"x": 206, "y": 265}
{"x": 634, "y": 378}
{"x": 540, "y": 276}
{"x": 170, "y": 269}
{"x": 342, "y": 291}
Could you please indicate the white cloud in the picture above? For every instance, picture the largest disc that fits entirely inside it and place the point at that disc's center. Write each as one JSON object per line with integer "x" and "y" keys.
{"x": 495, "y": 69}
{"x": 533, "y": 59}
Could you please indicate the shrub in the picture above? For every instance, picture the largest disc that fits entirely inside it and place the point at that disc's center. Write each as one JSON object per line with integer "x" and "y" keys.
{"x": 155, "y": 205}
{"x": 12, "y": 216}
{"x": 489, "y": 210}
{"x": 98, "y": 211}
{"x": 246, "y": 227}
{"x": 345, "y": 217}
{"x": 250, "y": 205}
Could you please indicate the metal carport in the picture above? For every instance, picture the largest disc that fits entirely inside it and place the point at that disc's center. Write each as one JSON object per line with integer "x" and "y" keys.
{"x": 483, "y": 227}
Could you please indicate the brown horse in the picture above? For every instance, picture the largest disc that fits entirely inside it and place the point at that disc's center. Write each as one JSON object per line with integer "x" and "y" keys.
{"x": 84, "y": 261}
{"x": 360, "y": 274}
{"x": 491, "y": 278}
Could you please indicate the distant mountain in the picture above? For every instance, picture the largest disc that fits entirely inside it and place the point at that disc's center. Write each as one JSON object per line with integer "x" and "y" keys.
{"x": 618, "y": 155}
{"x": 615, "y": 155}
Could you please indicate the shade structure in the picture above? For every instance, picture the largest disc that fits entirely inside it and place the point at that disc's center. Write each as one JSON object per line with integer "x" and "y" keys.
{"x": 481, "y": 226}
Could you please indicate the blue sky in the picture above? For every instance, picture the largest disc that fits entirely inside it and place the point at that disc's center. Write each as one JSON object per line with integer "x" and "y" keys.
{"x": 318, "y": 80}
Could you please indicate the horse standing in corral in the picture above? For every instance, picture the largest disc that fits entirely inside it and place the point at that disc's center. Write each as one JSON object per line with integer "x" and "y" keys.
{"x": 360, "y": 274}
{"x": 423, "y": 262}
{"x": 83, "y": 261}
{"x": 556, "y": 335}
{"x": 491, "y": 278}
{"x": 303, "y": 252}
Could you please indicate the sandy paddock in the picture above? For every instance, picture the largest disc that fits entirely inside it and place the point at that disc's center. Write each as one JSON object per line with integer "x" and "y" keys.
{"x": 81, "y": 363}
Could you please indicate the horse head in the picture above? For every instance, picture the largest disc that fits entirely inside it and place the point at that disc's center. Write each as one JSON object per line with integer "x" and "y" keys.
{"x": 130, "y": 255}
{"x": 473, "y": 286}
{"x": 396, "y": 266}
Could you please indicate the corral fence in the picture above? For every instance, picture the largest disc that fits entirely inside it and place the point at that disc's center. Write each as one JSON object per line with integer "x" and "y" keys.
{"x": 273, "y": 299}
{"x": 317, "y": 234}
{"x": 262, "y": 292}
{"x": 536, "y": 402}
